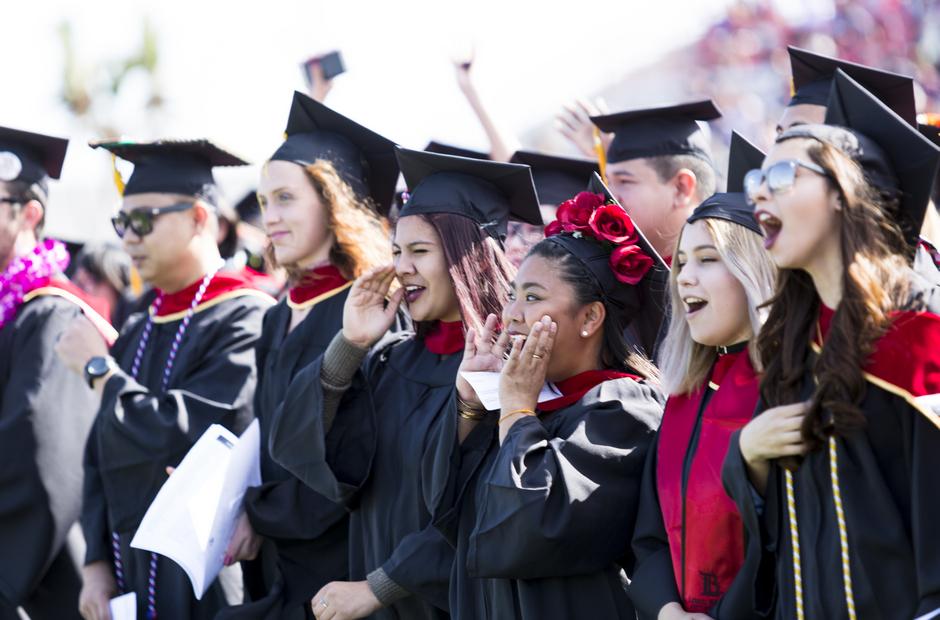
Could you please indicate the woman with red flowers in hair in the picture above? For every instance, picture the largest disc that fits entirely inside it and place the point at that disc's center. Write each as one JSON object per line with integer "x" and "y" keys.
{"x": 541, "y": 489}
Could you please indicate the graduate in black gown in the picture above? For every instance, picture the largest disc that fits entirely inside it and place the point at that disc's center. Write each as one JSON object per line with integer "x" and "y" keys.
{"x": 541, "y": 497}
{"x": 324, "y": 233}
{"x": 359, "y": 426}
{"x": 689, "y": 539}
{"x": 813, "y": 75}
{"x": 836, "y": 475}
{"x": 40, "y": 447}
{"x": 186, "y": 363}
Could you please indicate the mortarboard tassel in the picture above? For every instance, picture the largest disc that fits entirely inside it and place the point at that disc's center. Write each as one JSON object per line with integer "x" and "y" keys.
{"x": 118, "y": 180}
{"x": 601, "y": 154}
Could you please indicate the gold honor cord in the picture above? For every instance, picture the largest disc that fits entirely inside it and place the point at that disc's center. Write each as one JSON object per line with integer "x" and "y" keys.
{"x": 843, "y": 533}
{"x": 795, "y": 544}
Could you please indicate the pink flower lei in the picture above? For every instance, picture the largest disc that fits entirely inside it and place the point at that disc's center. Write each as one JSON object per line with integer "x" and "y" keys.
{"x": 27, "y": 273}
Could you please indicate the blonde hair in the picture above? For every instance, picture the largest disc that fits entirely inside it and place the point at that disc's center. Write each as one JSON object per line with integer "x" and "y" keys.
{"x": 684, "y": 363}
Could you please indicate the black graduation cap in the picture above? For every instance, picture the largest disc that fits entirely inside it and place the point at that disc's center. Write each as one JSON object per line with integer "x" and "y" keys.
{"x": 931, "y": 132}
{"x": 664, "y": 130}
{"x": 490, "y": 193}
{"x": 556, "y": 178}
{"x": 732, "y": 205}
{"x": 813, "y": 74}
{"x": 459, "y": 151}
{"x": 896, "y": 158}
{"x": 170, "y": 166}
{"x": 647, "y": 300}
{"x": 364, "y": 159}
{"x": 30, "y": 157}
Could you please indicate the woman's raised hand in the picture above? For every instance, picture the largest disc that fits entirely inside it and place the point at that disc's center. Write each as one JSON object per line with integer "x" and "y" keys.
{"x": 483, "y": 351}
{"x": 523, "y": 374}
{"x": 370, "y": 311}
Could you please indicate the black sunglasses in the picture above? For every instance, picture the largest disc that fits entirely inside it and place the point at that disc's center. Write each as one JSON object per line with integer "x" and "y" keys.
{"x": 141, "y": 220}
{"x": 780, "y": 177}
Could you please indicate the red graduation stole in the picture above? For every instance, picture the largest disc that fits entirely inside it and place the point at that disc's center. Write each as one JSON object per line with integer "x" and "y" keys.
{"x": 574, "y": 388}
{"x": 713, "y": 532}
{"x": 906, "y": 360}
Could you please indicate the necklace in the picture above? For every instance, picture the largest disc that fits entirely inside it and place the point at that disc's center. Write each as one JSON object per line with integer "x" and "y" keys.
{"x": 135, "y": 369}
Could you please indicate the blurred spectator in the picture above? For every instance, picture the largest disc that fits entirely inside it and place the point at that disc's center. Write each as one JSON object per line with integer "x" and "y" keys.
{"x": 103, "y": 270}
{"x": 741, "y": 61}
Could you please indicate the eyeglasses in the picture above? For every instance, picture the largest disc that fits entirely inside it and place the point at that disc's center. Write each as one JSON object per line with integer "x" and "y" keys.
{"x": 780, "y": 177}
{"x": 141, "y": 220}
{"x": 527, "y": 232}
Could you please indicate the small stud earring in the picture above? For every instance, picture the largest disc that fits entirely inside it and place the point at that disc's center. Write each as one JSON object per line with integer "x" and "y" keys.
{"x": 584, "y": 333}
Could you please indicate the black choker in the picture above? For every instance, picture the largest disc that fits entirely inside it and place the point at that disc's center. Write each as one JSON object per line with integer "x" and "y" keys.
{"x": 734, "y": 348}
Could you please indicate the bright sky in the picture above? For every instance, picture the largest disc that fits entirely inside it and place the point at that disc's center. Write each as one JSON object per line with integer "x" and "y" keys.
{"x": 228, "y": 72}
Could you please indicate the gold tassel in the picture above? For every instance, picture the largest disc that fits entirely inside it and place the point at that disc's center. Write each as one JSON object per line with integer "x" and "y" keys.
{"x": 792, "y": 87}
{"x": 137, "y": 283}
{"x": 118, "y": 181}
{"x": 601, "y": 154}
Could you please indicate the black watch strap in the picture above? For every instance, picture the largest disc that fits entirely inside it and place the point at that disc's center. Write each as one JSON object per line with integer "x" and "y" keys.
{"x": 96, "y": 368}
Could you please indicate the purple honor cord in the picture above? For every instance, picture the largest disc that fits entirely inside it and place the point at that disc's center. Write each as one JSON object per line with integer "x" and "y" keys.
{"x": 135, "y": 368}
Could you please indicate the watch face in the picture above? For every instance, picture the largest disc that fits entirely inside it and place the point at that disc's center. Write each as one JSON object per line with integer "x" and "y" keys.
{"x": 95, "y": 368}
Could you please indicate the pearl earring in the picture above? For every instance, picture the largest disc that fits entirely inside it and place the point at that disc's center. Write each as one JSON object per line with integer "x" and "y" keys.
{"x": 584, "y": 333}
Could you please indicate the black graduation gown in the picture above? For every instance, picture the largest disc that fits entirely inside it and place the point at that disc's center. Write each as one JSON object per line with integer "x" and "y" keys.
{"x": 372, "y": 460}
{"x": 542, "y": 525}
{"x": 888, "y": 481}
{"x": 47, "y": 410}
{"x": 138, "y": 433}
{"x": 305, "y": 534}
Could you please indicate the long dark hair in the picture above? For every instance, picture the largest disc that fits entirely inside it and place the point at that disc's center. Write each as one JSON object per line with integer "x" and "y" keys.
{"x": 875, "y": 281}
{"x": 615, "y": 352}
{"x": 479, "y": 270}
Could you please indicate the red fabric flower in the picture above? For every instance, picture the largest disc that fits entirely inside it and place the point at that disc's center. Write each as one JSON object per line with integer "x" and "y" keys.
{"x": 575, "y": 214}
{"x": 612, "y": 223}
{"x": 553, "y": 228}
{"x": 630, "y": 263}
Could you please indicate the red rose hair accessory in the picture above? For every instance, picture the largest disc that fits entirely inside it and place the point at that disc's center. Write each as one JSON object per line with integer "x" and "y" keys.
{"x": 588, "y": 215}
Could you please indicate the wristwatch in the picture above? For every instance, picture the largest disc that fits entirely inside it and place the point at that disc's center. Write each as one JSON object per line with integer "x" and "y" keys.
{"x": 96, "y": 368}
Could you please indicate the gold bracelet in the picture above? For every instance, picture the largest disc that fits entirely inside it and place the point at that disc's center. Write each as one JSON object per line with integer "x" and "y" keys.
{"x": 506, "y": 416}
{"x": 471, "y": 414}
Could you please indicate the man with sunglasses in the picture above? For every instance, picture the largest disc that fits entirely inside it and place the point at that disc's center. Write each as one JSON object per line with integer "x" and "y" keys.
{"x": 185, "y": 364}
{"x": 659, "y": 166}
{"x": 40, "y": 440}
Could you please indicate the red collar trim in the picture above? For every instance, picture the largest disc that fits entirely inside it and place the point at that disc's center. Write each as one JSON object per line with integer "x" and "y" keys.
{"x": 906, "y": 360}
{"x": 574, "y": 388}
{"x": 222, "y": 283}
{"x": 95, "y": 309}
{"x": 445, "y": 338}
{"x": 317, "y": 286}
